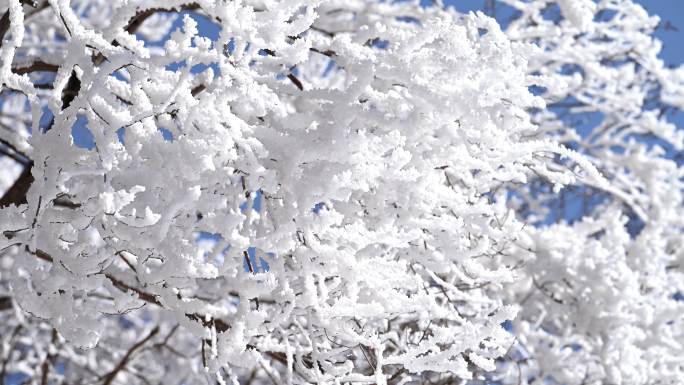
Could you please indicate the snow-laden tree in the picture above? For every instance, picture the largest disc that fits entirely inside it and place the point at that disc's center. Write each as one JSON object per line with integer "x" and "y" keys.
{"x": 601, "y": 297}
{"x": 337, "y": 192}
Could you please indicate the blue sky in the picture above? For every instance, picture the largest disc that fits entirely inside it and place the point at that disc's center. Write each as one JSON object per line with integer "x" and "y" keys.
{"x": 671, "y": 11}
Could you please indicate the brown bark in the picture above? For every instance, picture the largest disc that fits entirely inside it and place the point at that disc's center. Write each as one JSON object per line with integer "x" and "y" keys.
{"x": 17, "y": 193}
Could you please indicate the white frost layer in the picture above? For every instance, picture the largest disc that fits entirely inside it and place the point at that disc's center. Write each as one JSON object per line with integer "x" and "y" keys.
{"x": 9, "y": 173}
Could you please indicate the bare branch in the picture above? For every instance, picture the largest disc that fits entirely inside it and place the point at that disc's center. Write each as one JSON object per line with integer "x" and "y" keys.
{"x": 109, "y": 377}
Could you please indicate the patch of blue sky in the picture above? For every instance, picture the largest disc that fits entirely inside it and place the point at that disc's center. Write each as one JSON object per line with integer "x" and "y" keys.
{"x": 81, "y": 134}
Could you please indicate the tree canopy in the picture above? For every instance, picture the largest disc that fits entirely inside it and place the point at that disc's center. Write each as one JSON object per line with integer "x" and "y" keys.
{"x": 338, "y": 192}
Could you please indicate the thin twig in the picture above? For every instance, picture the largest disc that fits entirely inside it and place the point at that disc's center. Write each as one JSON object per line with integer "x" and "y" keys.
{"x": 109, "y": 377}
